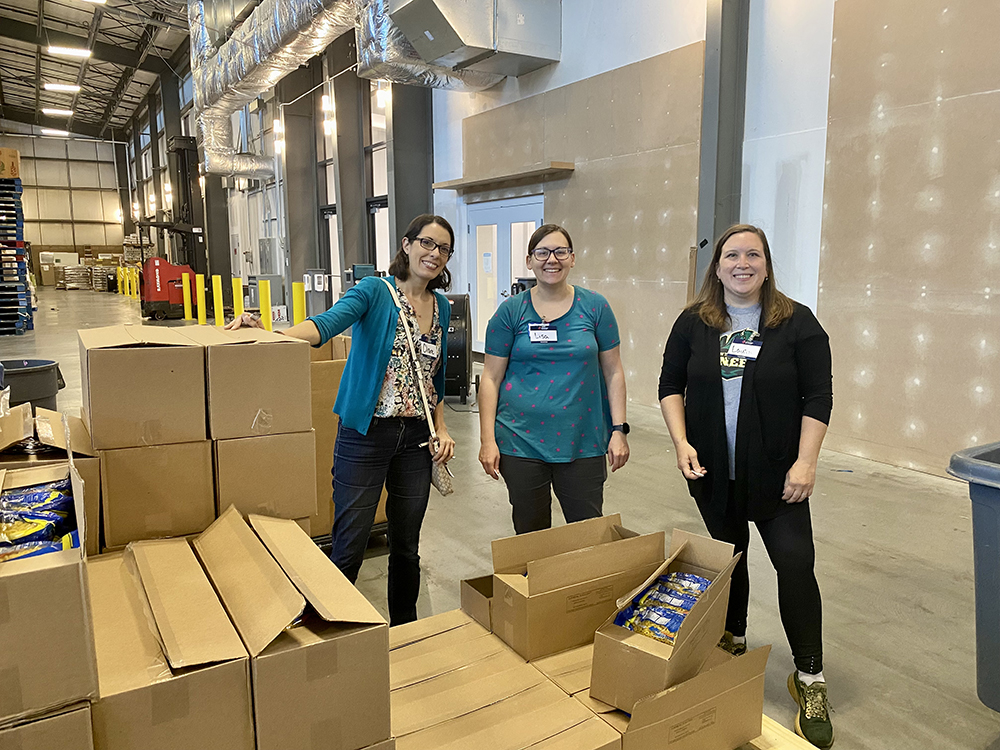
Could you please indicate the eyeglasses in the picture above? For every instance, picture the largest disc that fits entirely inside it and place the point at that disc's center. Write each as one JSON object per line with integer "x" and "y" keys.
{"x": 543, "y": 253}
{"x": 428, "y": 244}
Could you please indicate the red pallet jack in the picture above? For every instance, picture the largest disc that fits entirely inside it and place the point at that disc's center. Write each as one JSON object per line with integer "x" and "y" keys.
{"x": 161, "y": 291}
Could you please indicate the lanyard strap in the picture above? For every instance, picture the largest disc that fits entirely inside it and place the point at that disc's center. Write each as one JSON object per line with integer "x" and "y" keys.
{"x": 413, "y": 358}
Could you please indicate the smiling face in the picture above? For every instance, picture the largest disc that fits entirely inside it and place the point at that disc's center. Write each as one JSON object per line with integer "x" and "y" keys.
{"x": 551, "y": 270}
{"x": 424, "y": 263}
{"x": 742, "y": 268}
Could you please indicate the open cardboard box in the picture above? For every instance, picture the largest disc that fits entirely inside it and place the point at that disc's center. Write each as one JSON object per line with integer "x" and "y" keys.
{"x": 173, "y": 671}
{"x": 320, "y": 674}
{"x": 628, "y": 665}
{"x": 554, "y": 588}
{"x": 257, "y": 382}
{"x": 68, "y": 730}
{"x": 162, "y": 399}
{"x": 47, "y": 661}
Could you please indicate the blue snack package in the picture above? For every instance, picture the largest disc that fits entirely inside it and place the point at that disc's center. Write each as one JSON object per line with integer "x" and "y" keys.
{"x": 37, "y": 501}
{"x": 33, "y": 549}
{"x": 662, "y": 595}
{"x": 686, "y": 583}
{"x": 660, "y": 623}
{"x": 15, "y": 528}
{"x": 60, "y": 485}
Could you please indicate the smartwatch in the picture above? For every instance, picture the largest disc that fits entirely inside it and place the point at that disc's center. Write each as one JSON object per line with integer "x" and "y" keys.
{"x": 623, "y": 428}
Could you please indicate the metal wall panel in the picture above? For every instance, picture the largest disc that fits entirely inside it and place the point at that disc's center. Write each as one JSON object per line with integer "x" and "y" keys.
{"x": 84, "y": 174}
{"x": 51, "y": 173}
{"x": 53, "y": 204}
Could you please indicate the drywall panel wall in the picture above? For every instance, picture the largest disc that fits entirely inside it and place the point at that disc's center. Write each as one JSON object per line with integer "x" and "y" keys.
{"x": 910, "y": 263}
{"x": 784, "y": 151}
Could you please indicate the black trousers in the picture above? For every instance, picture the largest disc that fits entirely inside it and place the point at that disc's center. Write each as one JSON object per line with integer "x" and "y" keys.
{"x": 788, "y": 540}
{"x": 579, "y": 486}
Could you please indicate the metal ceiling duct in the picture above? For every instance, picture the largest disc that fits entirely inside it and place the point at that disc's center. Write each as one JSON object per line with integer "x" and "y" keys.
{"x": 278, "y": 37}
{"x": 386, "y": 54}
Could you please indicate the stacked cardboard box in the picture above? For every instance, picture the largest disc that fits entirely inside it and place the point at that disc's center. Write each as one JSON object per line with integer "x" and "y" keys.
{"x": 259, "y": 418}
{"x": 144, "y": 406}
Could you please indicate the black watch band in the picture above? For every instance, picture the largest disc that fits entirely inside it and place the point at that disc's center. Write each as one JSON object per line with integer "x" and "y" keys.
{"x": 623, "y": 428}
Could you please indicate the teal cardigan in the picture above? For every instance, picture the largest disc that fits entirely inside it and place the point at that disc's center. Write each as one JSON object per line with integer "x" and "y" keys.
{"x": 368, "y": 306}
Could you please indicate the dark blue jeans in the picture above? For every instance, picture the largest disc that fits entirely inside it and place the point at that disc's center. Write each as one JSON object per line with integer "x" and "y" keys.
{"x": 390, "y": 455}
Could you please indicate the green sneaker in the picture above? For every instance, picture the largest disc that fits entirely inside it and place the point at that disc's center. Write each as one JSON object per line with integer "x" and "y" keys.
{"x": 728, "y": 644}
{"x": 813, "y": 719}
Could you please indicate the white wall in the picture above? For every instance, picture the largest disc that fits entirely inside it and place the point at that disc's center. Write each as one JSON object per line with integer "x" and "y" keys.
{"x": 596, "y": 37}
{"x": 784, "y": 149}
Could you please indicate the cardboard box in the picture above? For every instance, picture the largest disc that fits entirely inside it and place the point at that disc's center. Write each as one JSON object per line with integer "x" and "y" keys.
{"x": 570, "y": 670}
{"x": 629, "y": 666}
{"x": 257, "y": 381}
{"x": 721, "y": 707}
{"x": 157, "y": 491}
{"x": 142, "y": 385}
{"x": 335, "y": 348}
{"x": 455, "y": 685}
{"x": 69, "y": 730}
{"x": 173, "y": 671}
{"x": 273, "y": 475}
{"x": 48, "y": 274}
{"x": 553, "y": 588}
{"x": 477, "y": 600}
{"x": 10, "y": 164}
{"x": 323, "y": 681}
{"x": 45, "y": 622}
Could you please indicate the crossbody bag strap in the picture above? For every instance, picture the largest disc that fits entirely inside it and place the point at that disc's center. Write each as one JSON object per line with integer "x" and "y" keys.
{"x": 413, "y": 358}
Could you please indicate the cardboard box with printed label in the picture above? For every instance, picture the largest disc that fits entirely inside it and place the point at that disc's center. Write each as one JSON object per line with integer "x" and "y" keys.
{"x": 257, "y": 381}
{"x": 173, "y": 671}
{"x": 142, "y": 385}
{"x": 10, "y": 164}
{"x": 69, "y": 730}
{"x": 318, "y": 681}
{"x": 552, "y": 589}
{"x": 629, "y": 666}
{"x": 273, "y": 475}
{"x": 456, "y": 685}
{"x": 157, "y": 491}
{"x": 47, "y": 661}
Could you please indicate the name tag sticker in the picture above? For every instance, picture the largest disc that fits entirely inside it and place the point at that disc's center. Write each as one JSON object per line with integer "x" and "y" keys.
{"x": 542, "y": 333}
{"x": 745, "y": 351}
{"x": 428, "y": 349}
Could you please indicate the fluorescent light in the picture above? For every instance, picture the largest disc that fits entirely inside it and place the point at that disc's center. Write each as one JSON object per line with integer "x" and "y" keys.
{"x": 96, "y": 2}
{"x": 57, "y": 112}
{"x": 326, "y": 103}
{"x": 53, "y": 131}
{"x": 69, "y": 51}
{"x": 71, "y": 88}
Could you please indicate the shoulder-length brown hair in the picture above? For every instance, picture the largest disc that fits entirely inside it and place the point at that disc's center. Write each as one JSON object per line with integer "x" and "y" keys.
{"x": 710, "y": 304}
{"x": 400, "y": 266}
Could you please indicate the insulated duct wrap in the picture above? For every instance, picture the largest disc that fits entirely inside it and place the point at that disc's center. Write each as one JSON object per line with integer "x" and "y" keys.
{"x": 385, "y": 54}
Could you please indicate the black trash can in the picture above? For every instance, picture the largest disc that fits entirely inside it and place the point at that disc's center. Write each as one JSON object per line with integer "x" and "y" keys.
{"x": 980, "y": 467}
{"x": 34, "y": 380}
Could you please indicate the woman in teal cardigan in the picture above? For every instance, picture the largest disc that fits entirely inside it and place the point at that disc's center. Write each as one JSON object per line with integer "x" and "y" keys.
{"x": 383, "y": 437}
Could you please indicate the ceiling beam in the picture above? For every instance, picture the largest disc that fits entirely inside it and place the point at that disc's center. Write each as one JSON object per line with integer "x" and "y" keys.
{"x": 38, "y": 72}
{"x": 28, "y": 33}
{"x": 22, "y": 114}
{"x": 142, "y": 50}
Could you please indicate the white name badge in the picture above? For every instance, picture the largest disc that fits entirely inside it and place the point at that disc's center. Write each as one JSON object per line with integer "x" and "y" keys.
{"x": 542, "y": 333}
{"x": 428, "y": 349}
{"x": 744, "y": 351}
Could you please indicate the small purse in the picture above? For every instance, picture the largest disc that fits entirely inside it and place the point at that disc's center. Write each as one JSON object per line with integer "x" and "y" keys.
{"x": 440, "y": 473}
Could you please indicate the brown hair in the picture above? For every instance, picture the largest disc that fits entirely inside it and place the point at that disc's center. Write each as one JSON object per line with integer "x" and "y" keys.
{"x": 400, "y": 266}
{"x": 544, "y": 231}
{"x": 710, "y": 304}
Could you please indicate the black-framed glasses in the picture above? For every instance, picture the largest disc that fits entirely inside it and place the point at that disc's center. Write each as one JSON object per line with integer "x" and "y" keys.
{"x": 543, "y": 253}
{"x": 428, "y": 244}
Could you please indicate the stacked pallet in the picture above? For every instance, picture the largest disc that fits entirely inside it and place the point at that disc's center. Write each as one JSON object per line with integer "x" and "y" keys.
{"x": 78, "y": 277}
{"x": 15, "y": 297}
{"x": 99, "y": 278}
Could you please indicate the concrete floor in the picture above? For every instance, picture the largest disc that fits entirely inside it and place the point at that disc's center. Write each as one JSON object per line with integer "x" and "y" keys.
{"x": 894, "y": 551}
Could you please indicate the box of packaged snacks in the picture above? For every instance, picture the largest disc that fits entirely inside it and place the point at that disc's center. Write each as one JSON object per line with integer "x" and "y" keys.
{"x": 664, "y": 631}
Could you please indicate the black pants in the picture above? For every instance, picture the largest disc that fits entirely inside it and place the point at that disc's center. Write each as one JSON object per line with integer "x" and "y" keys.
{"x": 579, "y": 486}
{"x": 789, "y": 543}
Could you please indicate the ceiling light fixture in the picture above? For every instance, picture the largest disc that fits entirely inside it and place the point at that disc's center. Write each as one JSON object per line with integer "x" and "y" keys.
{"x": 57, "y": 112}
{"x": 69, "y": 51}
{"x": 53, "y": 131}
{"x": 96, "y": 2}
{"x": 70, "y": 88}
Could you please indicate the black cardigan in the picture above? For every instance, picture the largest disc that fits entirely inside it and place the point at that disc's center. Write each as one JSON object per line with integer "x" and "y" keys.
{"x": 790, "y": 378}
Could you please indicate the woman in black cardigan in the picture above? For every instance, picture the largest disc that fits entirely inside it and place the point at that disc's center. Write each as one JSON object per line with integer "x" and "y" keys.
{"x": 746, "y": 392}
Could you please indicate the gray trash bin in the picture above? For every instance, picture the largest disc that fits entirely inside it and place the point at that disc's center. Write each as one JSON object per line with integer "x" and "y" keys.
{"x": 980, "y": 467}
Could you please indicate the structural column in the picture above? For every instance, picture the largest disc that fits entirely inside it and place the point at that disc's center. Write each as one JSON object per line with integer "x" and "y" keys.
{"x": 410, "y": 158}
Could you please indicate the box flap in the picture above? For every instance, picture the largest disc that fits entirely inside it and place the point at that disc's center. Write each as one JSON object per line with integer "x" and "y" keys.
{"x": 189, "y": 620}
{"x": 702, "y": 551}
{"x": 702, "y": 687}
{"x": 313, "y": 573}
{"x": 568, "y": 568}
{"x": 16, "y": 426}
{"x": 512, "y": 554}
{"x": 51, "y": 432}
{"x": 212, "y": 336}
{"x": 131, "y": 335}
{"x": 257, "y": 594}
{"x": 570, "y": 669}
{"x": 428, "y": 627}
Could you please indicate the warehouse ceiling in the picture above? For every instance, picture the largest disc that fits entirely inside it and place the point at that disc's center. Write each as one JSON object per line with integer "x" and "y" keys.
{"x": 131, "y": 41}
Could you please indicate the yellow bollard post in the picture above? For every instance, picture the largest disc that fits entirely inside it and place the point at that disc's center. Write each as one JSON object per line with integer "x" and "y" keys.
{"x": 135, "y": 283}
{"x": 128, "y": 282}
{"x": 199, "y": 291}
{"x": 264, "y": 287}
{"x": 186, "y": 292}
{"x": 237, "y": 296}
{"x": 121, "y": 284}
{"x": 298, "y": 302}
{"x": 217, "y": 302}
